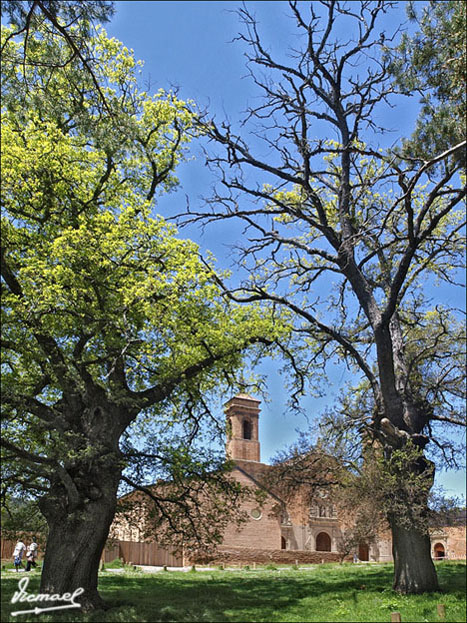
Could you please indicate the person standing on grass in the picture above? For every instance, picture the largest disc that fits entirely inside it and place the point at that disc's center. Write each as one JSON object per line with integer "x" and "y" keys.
{"x": 31, "y": 554}
{"x": 18, "y": 554}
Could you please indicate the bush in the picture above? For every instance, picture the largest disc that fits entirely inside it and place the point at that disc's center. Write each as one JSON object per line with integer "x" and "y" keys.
{"x": 117, "y": 563}
{"x": 133, "y": 568}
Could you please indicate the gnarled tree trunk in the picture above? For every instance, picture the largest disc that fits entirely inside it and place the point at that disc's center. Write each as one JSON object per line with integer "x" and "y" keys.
{"x": 76, "y": 539}
{"x": 414, "y": 571}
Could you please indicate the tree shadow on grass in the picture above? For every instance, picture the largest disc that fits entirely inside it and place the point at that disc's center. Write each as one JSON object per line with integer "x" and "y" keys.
{"x": 245, "y": 596}
{"x": 237, "y": 597}
{"x": 258, "y": 597}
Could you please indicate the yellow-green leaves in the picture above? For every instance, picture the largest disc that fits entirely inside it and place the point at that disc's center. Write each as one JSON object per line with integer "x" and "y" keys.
{"x": 91, "y": 267}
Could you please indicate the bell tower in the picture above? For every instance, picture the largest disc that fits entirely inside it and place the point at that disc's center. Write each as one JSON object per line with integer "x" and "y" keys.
{"x": 242, "y": 414}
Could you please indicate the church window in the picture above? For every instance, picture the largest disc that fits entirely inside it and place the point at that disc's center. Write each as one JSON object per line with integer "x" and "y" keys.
{"x": 256, "y": 513}
{"x": 283, "y": 543}
{"x": 323, "y": 542}
{"x": 247, "y": 429}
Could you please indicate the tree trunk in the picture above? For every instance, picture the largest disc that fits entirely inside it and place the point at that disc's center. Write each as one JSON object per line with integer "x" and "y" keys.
{"x": 76, "y": 539}
{"x": 414, "y": 571}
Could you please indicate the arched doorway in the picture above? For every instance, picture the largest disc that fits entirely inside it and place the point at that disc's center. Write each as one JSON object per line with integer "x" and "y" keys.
{"x": 323, "y": 542}
{"x": 363, "y": 551}
{"x": 283, "y": 543}
{"x": 439, "y": 550}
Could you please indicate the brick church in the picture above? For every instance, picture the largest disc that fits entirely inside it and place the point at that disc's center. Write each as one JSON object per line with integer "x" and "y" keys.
{"x": 287, "y": 532}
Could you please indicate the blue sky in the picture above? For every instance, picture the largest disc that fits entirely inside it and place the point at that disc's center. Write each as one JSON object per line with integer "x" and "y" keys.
{"x": 189, "y": 45}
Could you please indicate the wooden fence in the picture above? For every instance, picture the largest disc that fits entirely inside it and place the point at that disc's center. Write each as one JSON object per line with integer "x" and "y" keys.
{"x": 7, "y": 548}
{"x": 142, "y": 554}
{"x": 137, "y": 553}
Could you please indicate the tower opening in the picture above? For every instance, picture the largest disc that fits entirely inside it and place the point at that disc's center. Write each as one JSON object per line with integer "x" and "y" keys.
{"x": 247, "y": 428}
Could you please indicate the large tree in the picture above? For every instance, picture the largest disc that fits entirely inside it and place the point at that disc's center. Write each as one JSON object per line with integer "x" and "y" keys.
{"x": 110, "y": 321}
{"x": 348, "y": 236}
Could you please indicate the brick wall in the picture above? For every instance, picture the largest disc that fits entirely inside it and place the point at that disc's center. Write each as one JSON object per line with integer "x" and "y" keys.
{"x": 237, "y": 410}
{"x": 263, "y": 533}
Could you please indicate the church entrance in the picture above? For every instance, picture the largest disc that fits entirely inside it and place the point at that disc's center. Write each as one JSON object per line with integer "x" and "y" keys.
{"x": 363, "y": 552}
{"x": 323, "y": 542}
{"x": 439, "y": 550}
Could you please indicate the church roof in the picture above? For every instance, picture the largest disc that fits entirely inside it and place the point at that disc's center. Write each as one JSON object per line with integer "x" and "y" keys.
{"x": 244, "y": 469}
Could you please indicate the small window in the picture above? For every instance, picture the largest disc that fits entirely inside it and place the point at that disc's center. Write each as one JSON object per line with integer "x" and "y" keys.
{"x": 256, "y": 513}
{"x": 246, "y": 429}
{"x": 283, "y": 543}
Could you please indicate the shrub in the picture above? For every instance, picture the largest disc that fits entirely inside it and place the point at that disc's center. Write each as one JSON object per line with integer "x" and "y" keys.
{"x": 117, "y": 563}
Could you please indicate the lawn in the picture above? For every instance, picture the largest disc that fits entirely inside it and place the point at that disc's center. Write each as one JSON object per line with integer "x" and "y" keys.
{"x": 320, "y": 593}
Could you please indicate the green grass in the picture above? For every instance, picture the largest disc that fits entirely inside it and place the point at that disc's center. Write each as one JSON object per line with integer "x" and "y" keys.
{"x": 321, "y": 593}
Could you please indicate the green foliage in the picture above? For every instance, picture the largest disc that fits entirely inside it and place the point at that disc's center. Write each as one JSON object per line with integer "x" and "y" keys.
{"x": 69, "y": 22}
{"x": 31, "y": 14}
{"x": 109, "y": 318}
{"x": 22, "y": 515}
{"x": 388, "y": 486}
{"x": 433, "y": 63}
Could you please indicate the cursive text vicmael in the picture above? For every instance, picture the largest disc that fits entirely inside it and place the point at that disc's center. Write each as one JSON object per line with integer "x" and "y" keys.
{"x": 23, "y": 595}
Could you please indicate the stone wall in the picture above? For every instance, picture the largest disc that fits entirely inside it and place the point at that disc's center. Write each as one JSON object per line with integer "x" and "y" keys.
{"x": 249, "y": 555}
{"x": 456, "y": 542}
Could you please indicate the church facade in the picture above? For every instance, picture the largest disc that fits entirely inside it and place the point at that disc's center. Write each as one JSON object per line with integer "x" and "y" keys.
{"x": 281, "y": 531}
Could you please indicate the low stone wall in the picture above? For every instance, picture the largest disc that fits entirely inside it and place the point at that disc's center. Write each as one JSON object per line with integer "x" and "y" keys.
{"x": 246, "y": 556}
